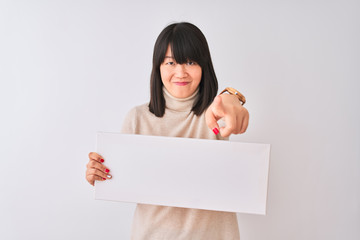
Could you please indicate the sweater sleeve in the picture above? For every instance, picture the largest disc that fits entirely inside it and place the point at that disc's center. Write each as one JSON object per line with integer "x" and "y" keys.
{"x": 129, "y": 124}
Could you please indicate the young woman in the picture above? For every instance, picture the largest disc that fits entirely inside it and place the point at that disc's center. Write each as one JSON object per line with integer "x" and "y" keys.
{"x": 183, "y": 103}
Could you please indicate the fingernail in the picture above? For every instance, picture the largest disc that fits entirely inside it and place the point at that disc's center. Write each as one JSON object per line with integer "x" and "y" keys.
{"x": 107, "y": 170}
{"x": 108, "y": 176}
{"x": 104, "y": 178}
{"x": 216, "y": 131}
{"x": 102, "y": 160}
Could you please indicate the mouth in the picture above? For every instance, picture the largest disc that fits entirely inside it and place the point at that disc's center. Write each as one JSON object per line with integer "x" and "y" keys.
{"x": 181, "y": 83}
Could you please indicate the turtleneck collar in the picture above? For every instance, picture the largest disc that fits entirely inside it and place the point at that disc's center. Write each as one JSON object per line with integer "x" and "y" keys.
{"x": 179, "y": 104}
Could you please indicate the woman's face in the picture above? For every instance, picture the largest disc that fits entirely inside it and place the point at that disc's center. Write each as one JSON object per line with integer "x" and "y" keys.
{"x": 180, "y": 80}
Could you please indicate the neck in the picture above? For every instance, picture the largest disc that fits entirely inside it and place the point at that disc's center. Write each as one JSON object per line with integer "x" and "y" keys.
{"x": 179, "y": 104}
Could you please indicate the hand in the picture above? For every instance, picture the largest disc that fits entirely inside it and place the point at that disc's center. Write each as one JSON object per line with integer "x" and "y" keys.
{"x": 229, "y": 108}
{"x": 95, "y": 170}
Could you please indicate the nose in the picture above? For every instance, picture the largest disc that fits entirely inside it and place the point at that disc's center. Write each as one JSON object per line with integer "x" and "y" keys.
{"x": 180, "y": 71}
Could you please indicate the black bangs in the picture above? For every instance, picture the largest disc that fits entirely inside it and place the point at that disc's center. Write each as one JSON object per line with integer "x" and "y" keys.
{"x": 187, "y": 44}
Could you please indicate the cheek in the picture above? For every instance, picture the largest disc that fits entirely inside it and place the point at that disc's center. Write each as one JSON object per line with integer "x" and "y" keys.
{"x": 164, "y": 75}
{"x": 198, "y": 74}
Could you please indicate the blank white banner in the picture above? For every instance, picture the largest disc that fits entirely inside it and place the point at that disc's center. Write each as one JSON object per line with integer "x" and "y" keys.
{"x": 185, "y": 172}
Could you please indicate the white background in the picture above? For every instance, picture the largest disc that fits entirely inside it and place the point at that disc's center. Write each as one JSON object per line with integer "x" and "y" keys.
{"x": 71, "y": 68}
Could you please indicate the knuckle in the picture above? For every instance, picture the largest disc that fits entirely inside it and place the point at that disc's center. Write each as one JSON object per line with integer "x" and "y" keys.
{"x": 225, "y": 134}
{"x": 97, "y": 172}
{"x": 231, "y": 127}
{"x": 244, "y": 111}
{"x": 94, "y": 156}
{"x": 92, "y": 164}
{"x": 238, "y": 129}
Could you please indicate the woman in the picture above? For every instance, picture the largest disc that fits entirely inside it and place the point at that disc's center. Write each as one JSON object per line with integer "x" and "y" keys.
{"x": 183, "y": 103}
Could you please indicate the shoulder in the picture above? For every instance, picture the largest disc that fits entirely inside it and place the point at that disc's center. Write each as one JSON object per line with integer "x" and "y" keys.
{"x": 133, "y": 117}
{"x": 138, "y": 111}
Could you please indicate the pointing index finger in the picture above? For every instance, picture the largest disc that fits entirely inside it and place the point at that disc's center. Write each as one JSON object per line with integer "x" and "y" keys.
{"x": 217, "y": 107}
{"x": 214, "y": 113}
{"x": 211, "y": 121}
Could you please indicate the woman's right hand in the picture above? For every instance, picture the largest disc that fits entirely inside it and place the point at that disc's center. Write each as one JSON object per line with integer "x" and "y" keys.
{"x": 95, "y": 169}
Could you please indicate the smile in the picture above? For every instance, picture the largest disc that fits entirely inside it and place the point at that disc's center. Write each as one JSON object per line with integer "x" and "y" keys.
{"x": 181, "y": 83}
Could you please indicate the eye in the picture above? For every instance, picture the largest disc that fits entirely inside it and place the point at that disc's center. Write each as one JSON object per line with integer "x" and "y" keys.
{"x": 170, "y": 63}
{"x": 191, "y": 63}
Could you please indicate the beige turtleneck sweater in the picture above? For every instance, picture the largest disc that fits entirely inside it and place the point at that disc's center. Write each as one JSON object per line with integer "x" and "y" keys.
{"x": 160, "y": 222}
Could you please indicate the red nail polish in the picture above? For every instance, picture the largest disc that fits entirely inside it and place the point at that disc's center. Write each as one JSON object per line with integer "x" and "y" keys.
{"x": 102, "y": 160}
{"x": 107, "y": 170}
{"x": 216, "y": 131}
{"x": 104, "y": 178}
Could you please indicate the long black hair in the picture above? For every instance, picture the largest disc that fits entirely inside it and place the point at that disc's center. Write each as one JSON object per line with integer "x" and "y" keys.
{"x": 187, "y": 43}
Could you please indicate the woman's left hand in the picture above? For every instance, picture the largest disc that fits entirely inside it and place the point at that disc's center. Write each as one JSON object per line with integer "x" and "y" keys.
{"x": 229, "y": 108}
